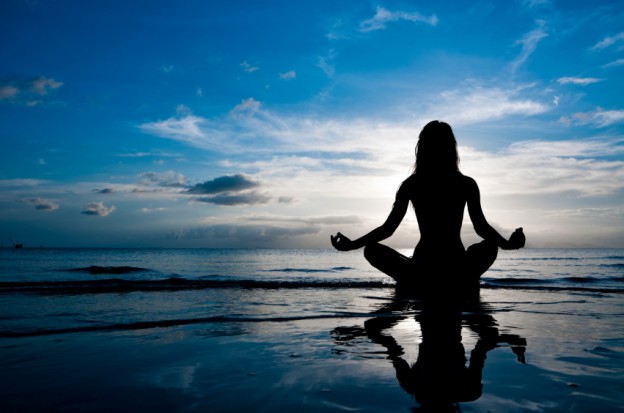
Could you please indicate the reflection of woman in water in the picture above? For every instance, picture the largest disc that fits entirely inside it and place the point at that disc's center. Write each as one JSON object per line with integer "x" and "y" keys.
{"x": 438, "y": 192}
{"x": 441, "y": 377}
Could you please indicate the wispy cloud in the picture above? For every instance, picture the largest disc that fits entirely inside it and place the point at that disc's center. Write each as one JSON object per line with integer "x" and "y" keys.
{"x": 618, "y": 62}
{"x": 152, "y": 210}
{"x": 608, "y": 41}
{"x": 384, "y": 16}
{"x": 248, "y": 67}
{"x": 21, "y": 183}
{"x": 477, "y": 104}
{"x": 149, "y": 154}
{"x": 191, "y": 129}
{"x": 582, "y": 81}
{"x": 97, "y": 209}
{"x": 169, "y": 179}
{"x": 325, "y": 63}
{"x": 528, "y": 44}
{"x": 291, "y": 74}
{"x": 535, "y": 3}
{"x": 42, "y": 85}
{"x": 600, "y": 118}
{"x": 236, "y": 199}
{"x": 28, "y": 91}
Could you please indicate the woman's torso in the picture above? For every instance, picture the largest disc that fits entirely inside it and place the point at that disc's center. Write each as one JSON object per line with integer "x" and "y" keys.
{"x": 439, "y": 204}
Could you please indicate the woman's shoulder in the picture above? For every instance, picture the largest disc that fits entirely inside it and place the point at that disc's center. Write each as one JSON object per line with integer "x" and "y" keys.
{"x": 470, "y": 185}
{"x": 467, "y": 179}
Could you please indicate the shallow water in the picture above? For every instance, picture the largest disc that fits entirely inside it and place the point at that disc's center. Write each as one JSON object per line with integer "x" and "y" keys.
{"x": 232, "y": 330}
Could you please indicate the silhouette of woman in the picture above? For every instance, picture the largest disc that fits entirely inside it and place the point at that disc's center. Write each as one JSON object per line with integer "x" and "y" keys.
{"x": 439, "y": 193}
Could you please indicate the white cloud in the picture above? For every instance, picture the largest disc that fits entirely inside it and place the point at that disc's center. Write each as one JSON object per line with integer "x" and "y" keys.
{"x": 608, "y": 41}
{"x": 532, "y": 169}
{"x": 291, "y": 74}
{"x": 583, "y": 81}
{"x": 529, "y": 43}
{"x": 472, "y": 105}
{"x": 248, "y": 105}
{"x": 569, "y": 148}
{"x": 97, "y": 209}
{"x": 383, "y": 16}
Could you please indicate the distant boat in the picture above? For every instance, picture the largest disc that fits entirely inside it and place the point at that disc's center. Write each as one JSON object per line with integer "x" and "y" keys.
{"x": 16, "y": 245}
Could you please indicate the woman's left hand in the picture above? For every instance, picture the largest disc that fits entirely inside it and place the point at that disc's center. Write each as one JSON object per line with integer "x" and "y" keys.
{"x": 517, "y": 239}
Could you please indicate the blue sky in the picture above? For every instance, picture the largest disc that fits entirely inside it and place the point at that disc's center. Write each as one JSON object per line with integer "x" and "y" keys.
{"x": 278, "y": 123}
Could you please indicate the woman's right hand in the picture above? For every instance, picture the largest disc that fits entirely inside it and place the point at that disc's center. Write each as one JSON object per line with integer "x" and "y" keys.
{"x": 341, "y": 243}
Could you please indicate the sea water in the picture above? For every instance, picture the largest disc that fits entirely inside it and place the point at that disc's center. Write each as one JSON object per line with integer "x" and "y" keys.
{"x": 58, "y": 289}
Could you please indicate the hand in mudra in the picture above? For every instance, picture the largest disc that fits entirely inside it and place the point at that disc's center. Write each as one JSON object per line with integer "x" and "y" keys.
{"x": 341, "y": 243}
{"x": 516, "y": 240}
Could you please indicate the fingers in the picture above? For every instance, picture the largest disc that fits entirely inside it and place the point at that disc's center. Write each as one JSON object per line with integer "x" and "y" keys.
{"x": 336, "y": 240}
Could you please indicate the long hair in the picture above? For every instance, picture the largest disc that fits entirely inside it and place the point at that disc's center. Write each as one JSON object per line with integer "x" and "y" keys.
{"x": 436, "y": 151}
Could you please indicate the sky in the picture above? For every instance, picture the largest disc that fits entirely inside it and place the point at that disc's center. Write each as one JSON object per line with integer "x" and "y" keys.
{"x": 274, "y": 124}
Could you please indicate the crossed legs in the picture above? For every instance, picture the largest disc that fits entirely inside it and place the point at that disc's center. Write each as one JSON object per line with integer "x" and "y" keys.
{"x": 477, "y": 259}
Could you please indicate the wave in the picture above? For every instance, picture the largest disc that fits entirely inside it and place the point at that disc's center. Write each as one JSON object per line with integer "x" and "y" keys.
{"x": 118, "y": 285}
{"x": 141, "y": 325}
{"x": 545, "y": 259}
{"x": 310, "y": 270}
{"x": 618, "y": 265}
{"x": 96, "y": 269}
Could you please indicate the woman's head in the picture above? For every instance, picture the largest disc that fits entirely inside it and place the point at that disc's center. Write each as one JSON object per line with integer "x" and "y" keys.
{"x": 436, "y": 151}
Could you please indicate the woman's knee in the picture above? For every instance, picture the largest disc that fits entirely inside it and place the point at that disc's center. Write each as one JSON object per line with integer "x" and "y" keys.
{"x": 372, "y": 251}
{"x": 486, "y": 249}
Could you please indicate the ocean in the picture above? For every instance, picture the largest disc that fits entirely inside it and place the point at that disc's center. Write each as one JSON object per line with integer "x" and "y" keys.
{"x": 208, "y": 324}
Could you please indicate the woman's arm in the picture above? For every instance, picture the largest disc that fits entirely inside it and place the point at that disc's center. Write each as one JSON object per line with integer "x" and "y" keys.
{"x": 342, "y": 243}
{"x": 483, "y": 228}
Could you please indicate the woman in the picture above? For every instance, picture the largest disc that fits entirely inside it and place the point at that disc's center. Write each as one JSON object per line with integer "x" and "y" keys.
{"x": 438, "y": 192}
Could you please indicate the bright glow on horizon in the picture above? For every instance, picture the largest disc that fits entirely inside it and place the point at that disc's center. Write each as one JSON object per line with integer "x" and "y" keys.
{"x": 196, "y": 125}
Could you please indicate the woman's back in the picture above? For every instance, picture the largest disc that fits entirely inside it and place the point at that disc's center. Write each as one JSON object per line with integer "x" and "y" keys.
{"x": 439, "y": 203}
